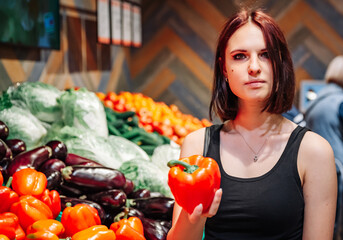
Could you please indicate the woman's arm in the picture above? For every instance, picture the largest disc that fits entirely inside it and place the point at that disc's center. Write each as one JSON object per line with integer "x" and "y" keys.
{"x": 190, "y": 226}
{"x": 319, "y": 177}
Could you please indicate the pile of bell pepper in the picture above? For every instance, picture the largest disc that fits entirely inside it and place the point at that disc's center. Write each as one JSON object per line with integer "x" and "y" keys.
{"x": 154, "y": 116}
{"x": 29, "y": 211}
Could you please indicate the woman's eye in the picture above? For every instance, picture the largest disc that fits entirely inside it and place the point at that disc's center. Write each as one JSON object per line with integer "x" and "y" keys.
{"x": 239, "y": 56}
{"x": 265, "y": 55}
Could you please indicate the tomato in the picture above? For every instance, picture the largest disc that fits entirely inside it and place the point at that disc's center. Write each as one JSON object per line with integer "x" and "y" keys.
{"x": 112, "y": 96}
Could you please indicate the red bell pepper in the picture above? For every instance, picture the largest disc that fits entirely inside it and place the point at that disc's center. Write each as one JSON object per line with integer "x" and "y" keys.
{"x": 53, "y": 200}
{"x": 50, "y": 225}
{"x": 7, "y": 197}
{"x": 194, "y": 180}
{"x": 79, "y": 217}
{"x": 96, "y": 232}
{"x": 29, "y": 181}
{"x": 29, "y": 210}
{"x": 128, "y": 229}
{"x": 9, "y": 226}
{"x": 1, "y": 179}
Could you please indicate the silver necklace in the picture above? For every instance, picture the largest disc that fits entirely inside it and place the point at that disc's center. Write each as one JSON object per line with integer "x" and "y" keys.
{"x": 255, "y": 153}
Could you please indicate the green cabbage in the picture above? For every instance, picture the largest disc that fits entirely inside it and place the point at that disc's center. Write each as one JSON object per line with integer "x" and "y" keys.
{"x": 86, "y": 144}
{"x": 39, "y": 98}
{"x": 127, "y": 149}
{"x": 23, "y": 125}
{"x": 147, "y": 175}
{"x": 83, "y": 110}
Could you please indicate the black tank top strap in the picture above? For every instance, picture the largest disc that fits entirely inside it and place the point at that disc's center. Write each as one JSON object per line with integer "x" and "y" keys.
{"x": 292, "y": 149}
{"x": 212, "y": 138}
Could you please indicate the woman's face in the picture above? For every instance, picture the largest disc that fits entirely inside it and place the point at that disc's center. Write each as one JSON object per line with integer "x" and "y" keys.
{"x": 247, "y": 64}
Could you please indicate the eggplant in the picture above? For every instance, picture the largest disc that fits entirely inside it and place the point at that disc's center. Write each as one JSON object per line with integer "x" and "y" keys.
{"x": 94, "y": 178}
{"x": 4, "y": 131}
{"x": 33, "y": 159}
{"x": 75, "y": 201}
{"x": 110, "y": 199}
{"x": 53, "y": 163}
{"x": 127, "y": 212}
{"x": 59, "y": 149}
{"x": 17, "y": 146}
{"x": 52, "y": 170}
{"x": 140, "y": 193}
{"x": 154, "y": 207}
{"x": 128, "y": 187}
{"x": 69, "y": 190}
{"x": 154, "y": 230}
{"x": 5, "y": 161}
{"x": 3, "y": 149}
{"x": 74, "y": 159}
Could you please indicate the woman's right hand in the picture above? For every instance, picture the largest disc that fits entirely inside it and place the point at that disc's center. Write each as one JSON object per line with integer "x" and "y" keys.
{"x": 197, "y": 212}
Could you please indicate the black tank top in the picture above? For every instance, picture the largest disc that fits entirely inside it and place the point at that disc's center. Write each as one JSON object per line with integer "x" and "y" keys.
{"x": 270, "y": 206}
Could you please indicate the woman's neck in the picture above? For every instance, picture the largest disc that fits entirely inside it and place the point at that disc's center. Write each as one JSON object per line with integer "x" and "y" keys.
{"x": 254, "y": 119}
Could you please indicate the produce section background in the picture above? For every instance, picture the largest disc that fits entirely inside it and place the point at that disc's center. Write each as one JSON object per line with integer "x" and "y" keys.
{"x": 175, "y": 62}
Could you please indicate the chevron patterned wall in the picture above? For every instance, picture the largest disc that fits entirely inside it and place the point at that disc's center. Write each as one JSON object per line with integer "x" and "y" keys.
{"x": 175, "y": 62}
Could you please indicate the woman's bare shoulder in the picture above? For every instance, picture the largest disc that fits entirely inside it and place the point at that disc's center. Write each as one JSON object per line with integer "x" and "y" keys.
{"x": 315, "y": 150}
{"x": 193, "y": 143}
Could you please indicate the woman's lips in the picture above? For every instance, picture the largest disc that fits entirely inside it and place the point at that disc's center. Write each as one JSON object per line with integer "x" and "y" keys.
{"x": 254, "y": 83}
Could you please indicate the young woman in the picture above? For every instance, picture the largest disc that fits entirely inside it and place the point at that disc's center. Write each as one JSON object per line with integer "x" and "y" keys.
{"x": 278, "y": 180}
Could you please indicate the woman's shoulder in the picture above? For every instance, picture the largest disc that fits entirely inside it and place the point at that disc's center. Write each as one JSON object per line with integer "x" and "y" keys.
{"x": 193, "y": 143}
{"x": 315, "y": 149}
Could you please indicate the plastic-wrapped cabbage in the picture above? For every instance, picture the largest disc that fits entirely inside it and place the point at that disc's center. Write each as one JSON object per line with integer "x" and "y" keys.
{"x": 39, "y": 98}
{"x": 127, "y": 149}
{"x": 164, "y": 153}
{"x": 147, "y": 175}
{"x": 23, "y": 125}
{"x": 86, "y": 144}
{"x": 83, "y": 110}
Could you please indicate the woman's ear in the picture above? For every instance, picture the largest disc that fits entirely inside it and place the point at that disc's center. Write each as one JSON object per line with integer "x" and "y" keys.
{"x": 222, "y": 67}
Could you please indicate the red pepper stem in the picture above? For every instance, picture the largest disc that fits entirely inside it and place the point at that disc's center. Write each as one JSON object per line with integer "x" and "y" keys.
{"x": 9, "y": 182}
{"x": 188, "y": 168}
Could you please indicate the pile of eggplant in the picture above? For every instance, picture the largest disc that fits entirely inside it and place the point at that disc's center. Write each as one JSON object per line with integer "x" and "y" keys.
{"x": 81, "y": 180}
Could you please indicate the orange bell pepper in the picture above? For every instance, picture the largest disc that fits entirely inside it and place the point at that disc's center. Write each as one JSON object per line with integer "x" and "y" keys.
{"x": 29, "y": 210}
{"x": 194, "y": 180}
{"x": 7, "y": 197}
{"x": 29, "y": 181}
{"x": 96, "y": 232}
{"x": 3, "y": 237}
{"x": 128, "y": 229}
{"x": 79, "y": 217}
{"x": 9, "y": 226}
{"x": 53, "y": 200}
{"x": 50, "y": 225}
{"x": 42, "y": 235}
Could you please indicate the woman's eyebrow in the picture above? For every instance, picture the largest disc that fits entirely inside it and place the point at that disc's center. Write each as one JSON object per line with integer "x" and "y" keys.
{"x": 244, "y": 50}
{"x": 238, "y": 50}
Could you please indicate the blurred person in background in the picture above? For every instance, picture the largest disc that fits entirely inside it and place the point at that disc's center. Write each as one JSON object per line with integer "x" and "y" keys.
{"x": 325, "y": 114}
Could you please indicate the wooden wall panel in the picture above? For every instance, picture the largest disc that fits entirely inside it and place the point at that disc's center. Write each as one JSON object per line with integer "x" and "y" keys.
{"x": 175, "y": 62}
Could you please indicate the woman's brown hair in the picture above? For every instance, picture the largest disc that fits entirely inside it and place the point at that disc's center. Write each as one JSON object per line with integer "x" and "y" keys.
{"x": 224, "y": 103}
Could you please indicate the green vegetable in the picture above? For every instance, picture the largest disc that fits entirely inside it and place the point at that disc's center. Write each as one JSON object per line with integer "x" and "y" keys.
{"x": 23, "y": 125}
{"x": 127, "y": 149}
{"x": 86, "y": 144}
{"x": 39, "y": 98}
{"x": 83, "y": 110}
{"x": 147, "y": 175}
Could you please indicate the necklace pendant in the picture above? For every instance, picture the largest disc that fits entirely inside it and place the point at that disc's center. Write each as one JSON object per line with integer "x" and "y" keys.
{"x": 255, "y": 158}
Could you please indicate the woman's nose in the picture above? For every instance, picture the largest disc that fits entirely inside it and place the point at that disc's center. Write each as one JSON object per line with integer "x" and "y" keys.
{"x": 254, "y": 66}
